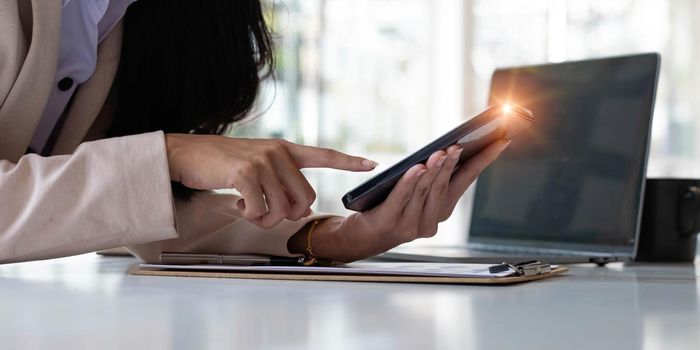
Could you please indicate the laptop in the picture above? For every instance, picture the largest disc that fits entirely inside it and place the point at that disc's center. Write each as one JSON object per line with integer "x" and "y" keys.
{"x": 570, "y": 188}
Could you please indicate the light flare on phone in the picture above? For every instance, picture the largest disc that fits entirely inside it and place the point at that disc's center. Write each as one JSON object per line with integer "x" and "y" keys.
{"x": 507, "y": 108}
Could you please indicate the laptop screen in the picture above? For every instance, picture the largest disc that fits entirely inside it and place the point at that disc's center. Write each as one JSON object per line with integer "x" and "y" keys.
{"x": 574, "y": 180}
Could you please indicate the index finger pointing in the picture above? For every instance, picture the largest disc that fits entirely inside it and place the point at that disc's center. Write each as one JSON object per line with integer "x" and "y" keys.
{"x": 318, "y": 157}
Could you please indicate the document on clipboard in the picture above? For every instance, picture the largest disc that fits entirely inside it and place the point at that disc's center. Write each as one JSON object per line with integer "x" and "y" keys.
{"x": 407, "y": 272}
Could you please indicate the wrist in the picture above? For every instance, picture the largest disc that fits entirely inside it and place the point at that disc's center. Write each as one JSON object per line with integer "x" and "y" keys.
{"x": 324, "y": 239}
{"x": 171, "y": 144}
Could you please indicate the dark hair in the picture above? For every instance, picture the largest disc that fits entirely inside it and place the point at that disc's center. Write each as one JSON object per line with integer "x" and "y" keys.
{"x": 190, "y": 66}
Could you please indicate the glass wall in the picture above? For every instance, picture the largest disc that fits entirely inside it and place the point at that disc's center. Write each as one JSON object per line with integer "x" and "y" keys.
{"x": 510, "y": 32}
{"x": 379, "y": 78}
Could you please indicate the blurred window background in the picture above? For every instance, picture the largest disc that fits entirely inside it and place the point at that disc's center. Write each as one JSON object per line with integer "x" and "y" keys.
{"x": 380, "y": 78}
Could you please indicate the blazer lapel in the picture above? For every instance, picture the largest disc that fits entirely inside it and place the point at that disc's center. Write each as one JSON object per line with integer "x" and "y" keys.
{"x": 90, "y": 97}
{"x": 25, "y": 97}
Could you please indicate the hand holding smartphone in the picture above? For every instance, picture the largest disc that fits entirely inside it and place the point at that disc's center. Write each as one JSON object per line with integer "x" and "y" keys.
{"x": 502, "y": 121}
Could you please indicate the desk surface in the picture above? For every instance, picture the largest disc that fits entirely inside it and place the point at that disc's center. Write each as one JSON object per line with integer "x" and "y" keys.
{"x": 90, "y": 302}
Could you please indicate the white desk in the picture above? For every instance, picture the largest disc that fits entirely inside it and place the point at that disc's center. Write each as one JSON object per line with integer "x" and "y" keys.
{"x": 89, "y": 302}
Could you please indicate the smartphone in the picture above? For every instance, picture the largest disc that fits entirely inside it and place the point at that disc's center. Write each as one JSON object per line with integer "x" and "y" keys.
{"x": 501, "y": 121}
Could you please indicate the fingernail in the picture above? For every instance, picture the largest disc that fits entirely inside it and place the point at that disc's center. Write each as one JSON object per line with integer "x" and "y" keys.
{"x": 457, "y": 153}
{"x": 421, "y": 172}
{"x": 369, "y": 164}
{"x": 441, "y": 161}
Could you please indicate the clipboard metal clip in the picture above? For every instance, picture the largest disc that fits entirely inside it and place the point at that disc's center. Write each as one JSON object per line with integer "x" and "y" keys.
{"x": 525, "y": 268}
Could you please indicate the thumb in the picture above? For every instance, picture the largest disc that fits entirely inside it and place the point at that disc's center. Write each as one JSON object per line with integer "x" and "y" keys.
{"x": 317, "y": 157}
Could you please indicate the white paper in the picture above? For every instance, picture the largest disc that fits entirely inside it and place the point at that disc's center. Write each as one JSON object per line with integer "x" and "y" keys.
{"x": 359, "y": 268}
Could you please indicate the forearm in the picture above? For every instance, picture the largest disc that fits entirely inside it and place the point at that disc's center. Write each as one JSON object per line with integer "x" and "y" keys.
{"x": 209, "y": 222}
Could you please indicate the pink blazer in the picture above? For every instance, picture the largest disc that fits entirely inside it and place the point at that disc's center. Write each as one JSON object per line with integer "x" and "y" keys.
{"x": 95, "y": 193}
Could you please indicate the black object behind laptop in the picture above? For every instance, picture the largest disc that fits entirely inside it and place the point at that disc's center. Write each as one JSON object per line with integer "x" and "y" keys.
{"x": 670, "y": 221}
{"x": 570, "y": 188}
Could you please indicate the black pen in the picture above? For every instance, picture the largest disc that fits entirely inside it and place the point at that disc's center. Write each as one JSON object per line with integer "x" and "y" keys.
{"x": 219, "y": 259}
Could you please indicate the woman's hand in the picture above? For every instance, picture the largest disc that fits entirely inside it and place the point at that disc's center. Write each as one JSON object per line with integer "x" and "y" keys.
{"x": 265, "y": 172}
{"x": 425, "y": 196}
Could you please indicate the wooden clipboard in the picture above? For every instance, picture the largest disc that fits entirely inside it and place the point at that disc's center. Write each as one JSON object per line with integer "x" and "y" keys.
{"x": 137, "y": 270}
